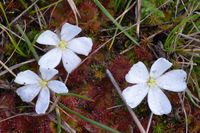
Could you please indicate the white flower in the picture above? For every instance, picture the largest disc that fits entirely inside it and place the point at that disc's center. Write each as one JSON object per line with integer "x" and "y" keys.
{"x": 151, "y": 83}
{"x": 34, "y": 85}
{"x": 65, "y": 47}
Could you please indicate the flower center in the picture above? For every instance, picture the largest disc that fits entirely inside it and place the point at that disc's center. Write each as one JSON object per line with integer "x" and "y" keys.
{"x": 62, "y": 44}
{"x": 151, "y": 82}
{"x": 43, "y": 83}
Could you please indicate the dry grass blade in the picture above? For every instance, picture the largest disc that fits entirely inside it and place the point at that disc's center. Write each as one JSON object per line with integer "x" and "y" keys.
{"x": 139, "y": 3}
{"x": 8, "y": 69}
{"x": 64, "y": 125}
{"x": 68, "y": 129}
{"x": 40, "y": 17}
{"x": 184, "y": 111}
{"x": 188, "y": 37}
{"x": 20, "y": 15}
{"x": 17, "y": 115}
{"x": 14, "y": 67}
{"x": 120, "y": 17}
{"x": 56, "y": 100}
{"x": 149, "y": 123}
{"x": 139, "y": 125}
{"x": 74, "y": 9}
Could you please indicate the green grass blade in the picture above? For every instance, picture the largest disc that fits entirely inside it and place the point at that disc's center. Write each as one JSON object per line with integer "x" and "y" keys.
{"x": 59, "y": 120}
{"x": 113, "y": 40}
{"x": 48, "y": 6}
{"x": 102, "y": 8}
{"x": 76, "y": 95}
{"x": 192, "y": 100}
{"x": 102, "y": 126}
{"x": 12, "y": 40}
{"x": 28, "y": 42}
{"x": 23, "y": 3}
{"x": 173, "y": 34}
{"x": 4, "y": 14}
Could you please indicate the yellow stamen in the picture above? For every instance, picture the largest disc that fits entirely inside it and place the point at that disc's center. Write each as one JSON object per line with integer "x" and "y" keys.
{"x": 62, "y": 44}
{"x": 151, "y": 82}
{"x": 43, "y": 83}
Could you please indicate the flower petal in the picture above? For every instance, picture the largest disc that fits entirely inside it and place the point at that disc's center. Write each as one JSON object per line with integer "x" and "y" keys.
{"x": 69, "y": 31}
{"x": 48, "y": 38}
{"x": 137, "y": 74}
{"x": 48, "y": 73}
{"x": 81, "y": 45}
{"x": 135, "y": 94}
{"x": 70, "y": 60}
{"x": 28, "y": 92}
{"x": 158, "y": 101}
{"x": 27, "y": 77}
{"x": 42, "y": 103}
{"x": 159, "y": 67}
{"x": 57, "y": 86}
{"x": 51, "y": 59}
{"x": 174, "y": 80}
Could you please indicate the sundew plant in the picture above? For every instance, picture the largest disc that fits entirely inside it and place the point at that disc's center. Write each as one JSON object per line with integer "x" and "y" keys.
{"x": 95, "y": 66}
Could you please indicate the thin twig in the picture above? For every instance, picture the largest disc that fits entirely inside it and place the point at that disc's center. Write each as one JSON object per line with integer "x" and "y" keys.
{"x": 9, "y": 58}
{"x": 17, "y": 115}
{"x": 74, "y": 9}
{"x": 64, "y": 125}
{"x": 95, "y": 51}
{"x": 52, "y": 12}
{"x": 139, "y": 125}
{"x": 40, "y": 17}
{"x": 103, "y": 45}
{"x": 113, "y": 107}
{"x": 149, "y": 123}
{"x": 184, "y": 111}
{"x": 193, "y": 96}
{"x": 139, "y": 3}
{"x": 53, "y": 106}
{"x": 176, "y": 10}
{"x": 121, "y": 18}
{"x": 126, "y": 29}
{"x": 16, "y": 66}
{"x": 12, "y": 32}
{"x": 188, "y": 37}
{"x": 125, "y": 11}
{"x": 19, "y": 16}
{"x": 34, "y": 114}
{"x": 66, "y": 78}
{"x": 8, "y": 69}
{"x": 126, "y": 50}
{"x": 16, "y": 18}
{"x": 148, "y": 38}
{"x": 68, "y": 126}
